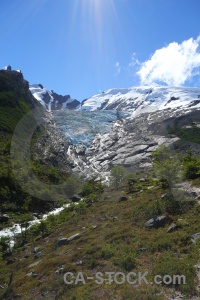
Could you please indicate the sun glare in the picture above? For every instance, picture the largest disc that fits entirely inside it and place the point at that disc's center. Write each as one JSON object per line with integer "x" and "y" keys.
{"x": 96, "y": 19}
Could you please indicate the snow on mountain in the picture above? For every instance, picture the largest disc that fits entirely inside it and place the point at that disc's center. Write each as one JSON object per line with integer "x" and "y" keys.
{"x": 6, "y": 68}
{"x": 137, "y": 100}
{"x": 51, "y": 100}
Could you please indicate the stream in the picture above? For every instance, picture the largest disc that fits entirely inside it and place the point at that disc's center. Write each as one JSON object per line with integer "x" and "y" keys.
{"x": 16, "y": 228}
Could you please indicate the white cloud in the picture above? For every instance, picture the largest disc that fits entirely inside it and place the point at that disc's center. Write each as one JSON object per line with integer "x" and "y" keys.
{"x": 173, "y": 64}
{"x": 117, "y": 68}
{"x": 134, "y": 61}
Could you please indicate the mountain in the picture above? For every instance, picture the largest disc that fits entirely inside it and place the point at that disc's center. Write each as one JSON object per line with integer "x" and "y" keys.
{"x": 116, "y": 228}
{"x": 22, "y": 118}
{"x": 51, "y": 100}
{"x": 124, "y": 126}
{"x": 142, "y": 99}
{"x": 48, "y": 98}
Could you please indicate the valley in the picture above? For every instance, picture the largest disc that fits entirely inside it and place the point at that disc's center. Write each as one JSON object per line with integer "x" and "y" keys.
{"x": 109, "y": 185}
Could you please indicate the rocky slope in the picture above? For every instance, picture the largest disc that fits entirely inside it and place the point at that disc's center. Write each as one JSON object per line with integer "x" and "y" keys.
{"x": 152, "y": 112}
{"x": 132, "y": 141}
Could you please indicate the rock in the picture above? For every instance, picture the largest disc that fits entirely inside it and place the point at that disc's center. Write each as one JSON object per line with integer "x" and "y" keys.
{"x": 172, "y": 227}
{"x": 35, "y": 249}
{"x": 142, "y": 180}
{"x": 80, "y": 149}
{"x": 80, "y": 262}
{"x": 34, "y": 264}
{"x": 75, "y": 198}
{"x": 11, "y": 261}
{"x": 39, "y": 254}
{"x": 4, "y": 218}
{"x": 17, "y": 296}
{"x": 194, "y": 194}
{"x": 156, "y": 222}
{"x": 195, "y": 237}
{"x": 198, "y": 266}
{"x": 59, "y": 271}
{"x": 65, "y": 241}
{"x": 150, "y": 187}
{"x": 122, "y": 198}
{"x": 163, "y": 196}
{"x": 29, "y": 274}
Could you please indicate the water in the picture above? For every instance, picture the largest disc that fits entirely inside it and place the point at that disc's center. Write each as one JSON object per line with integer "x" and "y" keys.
{"x": 16, "y": 229}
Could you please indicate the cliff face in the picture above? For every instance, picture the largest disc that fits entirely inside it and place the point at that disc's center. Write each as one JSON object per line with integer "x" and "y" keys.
{"x": 39, "y": 135}
{"x": 15, "y": 102}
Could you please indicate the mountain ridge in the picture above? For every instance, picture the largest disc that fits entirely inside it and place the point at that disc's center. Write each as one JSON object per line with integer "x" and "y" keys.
{"x": 141, "y": 99}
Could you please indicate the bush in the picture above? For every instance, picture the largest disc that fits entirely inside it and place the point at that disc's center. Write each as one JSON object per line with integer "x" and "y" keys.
{"x": 166, "y": 165}
{"x": 191, "y": 166}
{"x": 117, "y": 175}
{"x": 92, "y": 187}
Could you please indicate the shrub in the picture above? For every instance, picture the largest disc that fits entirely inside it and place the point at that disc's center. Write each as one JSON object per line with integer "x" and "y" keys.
{"x": 117, "y": 175}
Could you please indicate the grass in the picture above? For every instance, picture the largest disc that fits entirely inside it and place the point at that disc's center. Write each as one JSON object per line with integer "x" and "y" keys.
{"x": 122, "y": 245}
{"x": 113, "y": 236}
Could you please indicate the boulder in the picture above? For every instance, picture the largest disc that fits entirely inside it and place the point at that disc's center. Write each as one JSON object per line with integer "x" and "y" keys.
{"x": 59, "y": 271}
{"x": 75, "y": 198}
{"x": 78, "y": 263}
{"x": 142, "y": 180}
{"x": 195, "y": 237}
{"x": 122, "y": 198}
{"x": 156, "y": 222}
{"x": 4, "y": 218}
{"x": 80, "y": 149}
{"x": 172, "y": 227}
{"x": 11, "y": 261}
{"x": 65, "y": 241}
{"x": 39, "y": 254}
{"x": 35, "y": 250}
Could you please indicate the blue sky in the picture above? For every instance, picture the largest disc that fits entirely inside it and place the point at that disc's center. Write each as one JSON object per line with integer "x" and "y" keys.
{"x": 82, "y": 47}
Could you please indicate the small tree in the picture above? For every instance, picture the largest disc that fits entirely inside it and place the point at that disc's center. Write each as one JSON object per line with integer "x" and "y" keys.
{"x": 44, "y": 227}
{"x": 191, "y": 165}
{"x": 5, "y": 246}
{"x": 167, "y": 167}
{"x": 72, "y": 186}
{"x": 117, "y": 175}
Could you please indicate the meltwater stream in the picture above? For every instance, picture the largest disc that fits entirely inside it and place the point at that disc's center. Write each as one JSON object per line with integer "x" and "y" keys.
{"x": 16, "y": 228}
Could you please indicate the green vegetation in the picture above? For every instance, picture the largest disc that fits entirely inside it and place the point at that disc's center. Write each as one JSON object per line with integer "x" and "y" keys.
{"x": 15, "y": 102}
{"x": 117, "y": 175}
{"x": 113, "y": 239}
{"x": 191, "y": 165}
{"x": 113, "y": 236}
{"x": 166, "y": 165}
{"x": 187, "y": 134}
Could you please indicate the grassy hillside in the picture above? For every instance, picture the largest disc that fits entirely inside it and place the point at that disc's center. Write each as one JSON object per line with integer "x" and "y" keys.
{"x": 112, "y": 233}
{"x": 113, "y": 238}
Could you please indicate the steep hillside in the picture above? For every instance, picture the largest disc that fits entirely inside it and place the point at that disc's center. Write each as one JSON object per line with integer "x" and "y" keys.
{"x": 48, "y": 150}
